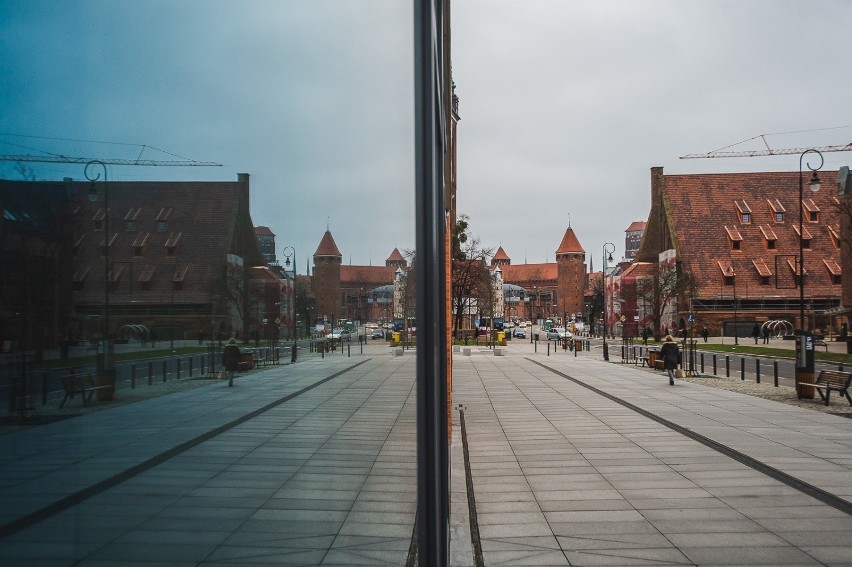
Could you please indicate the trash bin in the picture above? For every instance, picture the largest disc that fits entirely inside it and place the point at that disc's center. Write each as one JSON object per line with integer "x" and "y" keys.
{"x": 396, "y": 337}
{"x": 578, "y": 345}
{"x": 501, "y": 337}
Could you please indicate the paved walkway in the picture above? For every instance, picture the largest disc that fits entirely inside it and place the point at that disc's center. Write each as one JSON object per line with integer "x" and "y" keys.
{"x": 314, "y": 464}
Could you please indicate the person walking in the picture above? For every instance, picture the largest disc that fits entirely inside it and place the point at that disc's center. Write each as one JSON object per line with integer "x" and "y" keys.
{"x": 755, "y": 332}
{"x": 231, "y": 359}
{"x": 669, "y": 353}
{"x": 766, "y": 334}
{"x": 705, "y": 333}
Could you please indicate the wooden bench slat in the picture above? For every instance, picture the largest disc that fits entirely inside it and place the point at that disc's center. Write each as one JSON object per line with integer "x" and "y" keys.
{"x": 829, "y": 380}
{"x": 82, "y": 384}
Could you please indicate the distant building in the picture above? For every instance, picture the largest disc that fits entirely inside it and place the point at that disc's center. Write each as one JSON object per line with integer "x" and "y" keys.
{"x": 266, "y": 241}
{"x": 632, "y": 239}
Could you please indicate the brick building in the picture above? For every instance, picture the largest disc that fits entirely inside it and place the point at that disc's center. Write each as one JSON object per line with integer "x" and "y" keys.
{"x": 737, "y": 237}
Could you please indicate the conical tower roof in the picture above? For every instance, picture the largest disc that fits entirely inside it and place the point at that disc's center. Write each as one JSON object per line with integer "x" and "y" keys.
{"x": 395, "y": 256}
{"x": 327, "y": 246}
{"x": 500, "y": 254}
{"x": 570, "y": 244}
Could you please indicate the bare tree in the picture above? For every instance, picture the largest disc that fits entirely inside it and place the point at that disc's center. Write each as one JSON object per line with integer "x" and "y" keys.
{"x": 666, "y": 283}
{"x": 471, "y": 279}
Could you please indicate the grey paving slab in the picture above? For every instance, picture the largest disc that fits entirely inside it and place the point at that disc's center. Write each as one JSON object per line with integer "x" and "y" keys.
{"x": 661, "y": 497}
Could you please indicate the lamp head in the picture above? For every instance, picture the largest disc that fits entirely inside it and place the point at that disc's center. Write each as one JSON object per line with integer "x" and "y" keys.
{"x": 814, "y": 183}
{"x": 287, "y": 262}
{"x": 609, "y": 259}
{"x": 93, "y": 193}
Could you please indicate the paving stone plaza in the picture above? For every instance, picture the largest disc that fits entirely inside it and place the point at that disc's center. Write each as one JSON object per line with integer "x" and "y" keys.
{"x": 571, "y": 461}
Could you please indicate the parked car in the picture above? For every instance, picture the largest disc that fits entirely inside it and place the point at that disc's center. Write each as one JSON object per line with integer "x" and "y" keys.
{"x": 558, "y": 333}
{"x": 377, "y": 334}
{"x": 519, "y": 333}
{"x": 340, "y": 334}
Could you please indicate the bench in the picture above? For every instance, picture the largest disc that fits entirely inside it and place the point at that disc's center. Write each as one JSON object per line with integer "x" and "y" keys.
{"x": 822, "y": 344}
{"x": 79, "y": 384}
{"x": 829, "y": 380}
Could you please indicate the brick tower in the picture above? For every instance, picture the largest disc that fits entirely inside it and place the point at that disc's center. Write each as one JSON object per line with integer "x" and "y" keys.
{"x": 326, "y": 279}
{"x": 571, "y": 265}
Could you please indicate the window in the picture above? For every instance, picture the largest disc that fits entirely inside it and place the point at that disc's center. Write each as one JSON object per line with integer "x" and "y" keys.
{"x": 764, "y": 280}
{"x": 835, "y": 280}
{"x": 162, "y": 225}
{"x": 746, "y": 218}
{"x": 98, "y": 219}
{"x": 806, "y": 243}
{"x": 813, "y": 216}
{"x": 779, "y": 217}
{"x": 777, "y": 209}
{"x": 770, "y": 244}
{"x": 128, "y": 226}
{"x": 729, "y": 280}
{"x": 172, "y": 243}
{"x": 735, "y": 244}
{"x": 163, "y": 219}
{"x": 137, "y": 251}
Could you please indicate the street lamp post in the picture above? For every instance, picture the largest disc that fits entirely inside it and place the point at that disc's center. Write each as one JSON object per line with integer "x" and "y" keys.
{"x": 608, "y": 249}
{"x": 105, "y": 363}
{"x": 290, "y": 252}
{"x": 804, "y": 342}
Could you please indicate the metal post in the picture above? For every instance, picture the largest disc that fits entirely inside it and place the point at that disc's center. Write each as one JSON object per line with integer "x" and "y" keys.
{"x": 165, "y": 369}
{"x": 431, "y": 96}
{"x": 702, "y": 363}
{"x": 133, "y": 376}
{"x": 742, "y": 368}
{"x": 727, "y": 366}
{"x": 150, "y": 373}
{"x": 714, "y": 366}
{"x": 775, "y": 371}
{"x": 757, "y": 369}
{"x": 177, "y": 362}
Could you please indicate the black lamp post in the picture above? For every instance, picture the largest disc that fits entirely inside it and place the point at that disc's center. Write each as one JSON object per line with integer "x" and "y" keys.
{"x": 608, "y": 249}
{"x": 804, "y": 344}
{"x": 290, "y": 252}
{"x": 104, "y": 359}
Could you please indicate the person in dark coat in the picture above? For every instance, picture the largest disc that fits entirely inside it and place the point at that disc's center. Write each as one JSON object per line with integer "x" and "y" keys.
{"x": 705, "y": 333}
{"x": 755, "y": 332}
{"x": 231, "y": 359}
{"x": 669, "y": 353}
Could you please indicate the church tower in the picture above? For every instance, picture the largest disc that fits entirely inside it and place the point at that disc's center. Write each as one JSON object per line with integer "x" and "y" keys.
{"x": 571, "y": 266}
{"x": 326, "y": 280}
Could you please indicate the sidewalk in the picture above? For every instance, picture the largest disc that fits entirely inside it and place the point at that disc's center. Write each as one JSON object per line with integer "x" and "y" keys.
{"x": 314, "y": 464}
{"x": 563, "y": 475}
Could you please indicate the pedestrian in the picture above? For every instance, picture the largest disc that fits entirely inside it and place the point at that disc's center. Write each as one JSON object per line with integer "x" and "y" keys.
{"x": 755, "y": 332}
{"x": 231, "y": 359}
{"x": 705, "y": 334}
{"x": 645, "y": 336}
{"x": 766, "y": 334}
{"x": 669, "y": 353}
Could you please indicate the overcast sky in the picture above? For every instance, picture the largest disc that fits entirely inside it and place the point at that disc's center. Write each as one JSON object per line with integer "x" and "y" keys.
{"x": 565, "y": 105}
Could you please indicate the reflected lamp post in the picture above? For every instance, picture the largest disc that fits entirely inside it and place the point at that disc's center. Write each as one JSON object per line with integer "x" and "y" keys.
{"x": 608, "y": 249}
{"x": 805, "y": 363}
{"x": 105, "y": 363}
{"x": 290, "y": 253}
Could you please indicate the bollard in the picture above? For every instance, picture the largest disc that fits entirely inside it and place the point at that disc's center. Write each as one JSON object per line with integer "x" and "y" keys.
{"x": 727, "y": 366}
{"x": 165, "y": 370}
{"x": 202, "y": 364}
{"x": 348, "y": 349}
{"x": 322, "y": 350}
{"x": 742, "y": 368}
{"x": 575, "y": 351}
{"x": 775, "y": 371}
{"x": 757, "y": 369}
{"x": 536, "y": 346}
{"x": 177, "y": 362}
{"x": 702, "y": 363}
{"x": 714, "y": 365}
{"x": 190, "y": 366}
{"x": 548, "y": 348}
{"x": 150, "y": 373}
{"x": 133, "y": 376}
{"x": 44, "y": 389}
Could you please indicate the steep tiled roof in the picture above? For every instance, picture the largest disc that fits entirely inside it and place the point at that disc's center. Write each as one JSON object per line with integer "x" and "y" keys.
{"x": 366, "y": 276}
{"x": 500, "y": 254}
{"x": 636, "y": 226}
{"x": 327, "y": 246}
{"x": 396, "y": 256}
{"x": 703, "y": 215}
{"x": 263, "y": 230}
{"x": 570, "y": 244}
{"x": 210, "y": 220}
{"x": 528, "y": 274}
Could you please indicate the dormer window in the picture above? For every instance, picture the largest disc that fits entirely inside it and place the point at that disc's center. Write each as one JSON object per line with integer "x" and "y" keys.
{"x": 811, "y": 210}
{"x": 835, "y": 236}
{"x": 104, "y": 244}
{"x": 179, "y": 277}
{"x": 735, "y": 237}
{"x": 172, "y": 243}
{"x": 763, "y": 271}
{"x": 744, "y": 210}
{"x": 833, "y": 270}
{"x": 140, "y": 243}
{"x": 805, "y": 236}
{"x": 163, "y": 219}
{"x": 728, "y": 274}
{"x": 78, "y": 245}
{"x": 146, "y": 278}
{"x": 770, "y": 237}
{"x": 98, "y": 220}
{"x": 777, "y": 210}
{"x": 797, "y": 275}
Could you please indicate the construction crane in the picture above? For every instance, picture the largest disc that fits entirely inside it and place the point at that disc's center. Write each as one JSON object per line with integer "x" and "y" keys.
{"x": 83, "y": 160}
{"x": 723, "y": 153}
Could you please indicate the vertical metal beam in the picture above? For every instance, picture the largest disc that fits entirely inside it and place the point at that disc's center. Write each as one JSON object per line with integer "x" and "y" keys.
{"x": 430, "y": 139}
